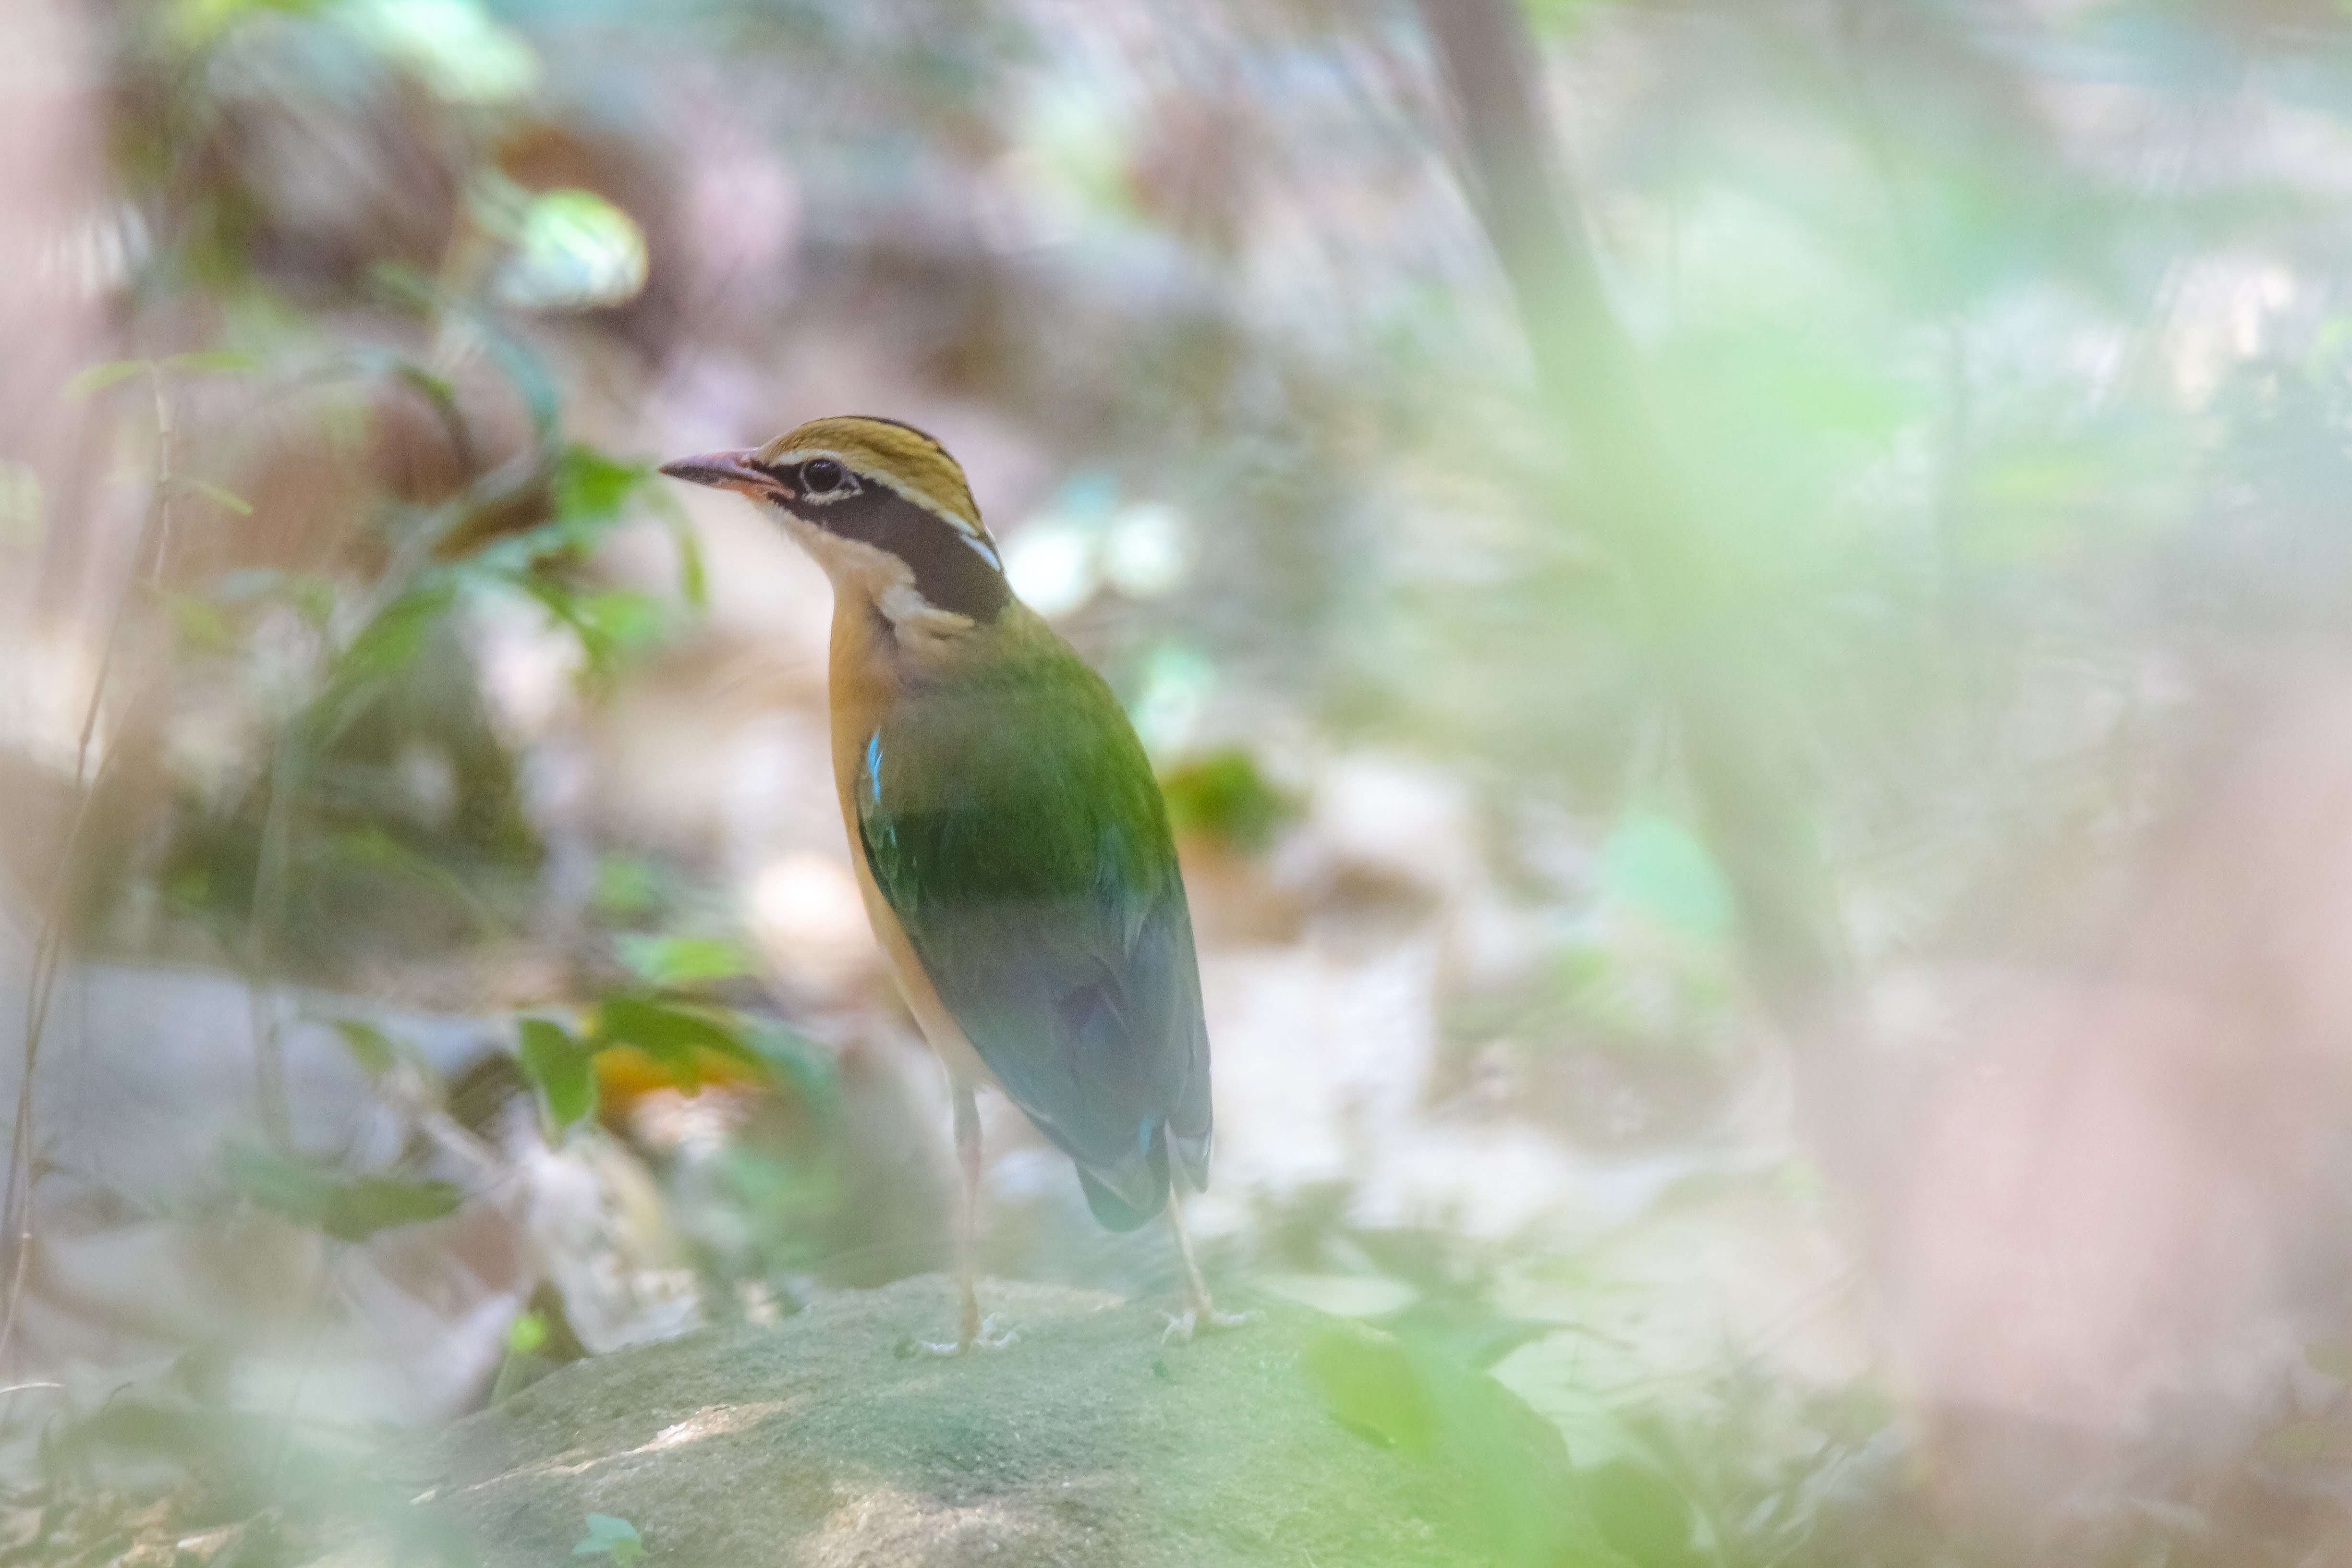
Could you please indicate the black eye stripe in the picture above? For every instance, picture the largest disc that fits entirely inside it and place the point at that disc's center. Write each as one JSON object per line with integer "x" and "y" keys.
{"x": 948, "y": 573}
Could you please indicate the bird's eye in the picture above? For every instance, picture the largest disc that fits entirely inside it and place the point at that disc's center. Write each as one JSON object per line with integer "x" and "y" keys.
{"x": 821, "y": 475}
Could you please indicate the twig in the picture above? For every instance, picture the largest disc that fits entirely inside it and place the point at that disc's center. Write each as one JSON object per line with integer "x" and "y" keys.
{"x": 267, "y": 917}
{"x": 166, "y": 441}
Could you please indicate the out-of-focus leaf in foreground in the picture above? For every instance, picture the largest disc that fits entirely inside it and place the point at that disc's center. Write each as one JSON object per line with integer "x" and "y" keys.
{"x": 346, "y": 1206}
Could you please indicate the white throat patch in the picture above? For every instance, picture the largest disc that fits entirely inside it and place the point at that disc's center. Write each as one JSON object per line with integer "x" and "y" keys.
{"x": 854, "y": 566}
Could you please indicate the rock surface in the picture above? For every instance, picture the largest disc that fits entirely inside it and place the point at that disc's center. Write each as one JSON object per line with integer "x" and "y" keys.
{"x": 1298, "y": 1440}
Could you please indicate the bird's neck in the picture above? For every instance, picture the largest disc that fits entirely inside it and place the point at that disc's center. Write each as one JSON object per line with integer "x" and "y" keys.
{"x": 877, "y": 660}
{"x": 883, "y": 649}
{"x": 885, "y": 631}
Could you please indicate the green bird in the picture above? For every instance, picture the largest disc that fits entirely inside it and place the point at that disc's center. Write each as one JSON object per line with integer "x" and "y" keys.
{"x": 1010, "y": 840}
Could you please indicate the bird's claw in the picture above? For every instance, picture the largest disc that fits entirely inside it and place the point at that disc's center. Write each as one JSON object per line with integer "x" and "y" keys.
{"x": 987, "y": 1338}
{"x": 1183, "y": 1326}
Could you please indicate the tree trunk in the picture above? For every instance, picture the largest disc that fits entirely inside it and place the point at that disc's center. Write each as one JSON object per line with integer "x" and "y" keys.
{"x": 1740, "y": 753}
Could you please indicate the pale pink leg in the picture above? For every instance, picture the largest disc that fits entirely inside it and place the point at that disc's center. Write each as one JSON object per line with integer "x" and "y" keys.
{"x": 971, "y": 1332}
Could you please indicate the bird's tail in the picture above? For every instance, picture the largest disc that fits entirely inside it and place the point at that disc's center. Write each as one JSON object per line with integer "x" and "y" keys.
{"x": 1192, "y": 1154}
{"x": 1126, "y": 1195}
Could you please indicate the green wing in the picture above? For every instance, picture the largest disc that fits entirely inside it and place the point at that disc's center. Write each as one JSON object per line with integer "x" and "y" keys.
{"x": 1012, "y": 823}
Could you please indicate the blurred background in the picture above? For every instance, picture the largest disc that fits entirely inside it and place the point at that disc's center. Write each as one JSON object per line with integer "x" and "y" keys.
{"x": 1742, "y": 606}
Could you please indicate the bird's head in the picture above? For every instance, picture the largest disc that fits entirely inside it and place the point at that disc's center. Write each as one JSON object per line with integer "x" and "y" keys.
{"x": 883, "y": 509}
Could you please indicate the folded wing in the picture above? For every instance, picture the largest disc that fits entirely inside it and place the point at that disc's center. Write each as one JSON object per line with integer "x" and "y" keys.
{"x": 1019, "y": 835}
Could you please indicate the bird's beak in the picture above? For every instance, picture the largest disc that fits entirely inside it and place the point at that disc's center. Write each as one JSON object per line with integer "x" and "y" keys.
{"x": 725, "y": 472}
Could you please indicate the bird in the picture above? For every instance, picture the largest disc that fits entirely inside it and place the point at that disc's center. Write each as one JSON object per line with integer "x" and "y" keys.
{"x": 1010, "y": 840}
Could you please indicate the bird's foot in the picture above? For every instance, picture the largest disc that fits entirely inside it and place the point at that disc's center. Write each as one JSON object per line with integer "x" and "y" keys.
{"x": 1183, "y": 1326}
{"x": 987, "y": 1336}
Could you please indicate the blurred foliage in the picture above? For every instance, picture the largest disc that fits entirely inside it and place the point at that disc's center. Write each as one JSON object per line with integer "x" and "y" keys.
{"x": 609, "y": 1537}
{"x": 1225, "y": 799}
{"x": 347, "y": 1207}
{"x": 1389, "y": 1393}
{"x": 2003, "y": 355}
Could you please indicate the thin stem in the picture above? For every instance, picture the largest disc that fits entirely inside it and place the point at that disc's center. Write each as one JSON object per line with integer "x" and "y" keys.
{"x": 285, "y": 1436}
{"x": 167, "y": 440}
{"x": 48, "y": 948}
{"x": 268, "y": 919}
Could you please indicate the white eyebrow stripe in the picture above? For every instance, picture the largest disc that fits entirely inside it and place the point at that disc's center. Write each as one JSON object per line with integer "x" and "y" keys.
{"x": 973, "y": 533}
{"x": 987, "y": 549}
{"x": 963, "y": 524}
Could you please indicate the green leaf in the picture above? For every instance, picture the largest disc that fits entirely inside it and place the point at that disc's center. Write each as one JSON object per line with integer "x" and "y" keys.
{"x": 22, "y": 520}
{"x": 298, "y": 1191}
{"x": 382, "y": 649}
{"x": 213, "y": 362}
{"x": 693, "y": 585}
{"x": 405, "y": 286}
{"x": 1559, "y": 18}
{"x": 220, "y": 498}
{"x": 310, "y": 593}
{"x": 562, "y": 1069}
{"x": 200, "y": 623}
{"x": 1654, "y": 864}
{"x": 608, "y": 1536}
{"x": 526, "y": 1337}
{"x": 96, "y": 378}
{"x": 572, "y": 250}
{"x": 2331, "y": 1358}
{"x": 525, "y": 1333}
{"x": 374, "y": 849}
{"x": 609, "y": 624}
{"x": 587, "y": 483}
{"x": 624, "y": 617}
{"x": 396, "y": 634}
{"x": 456, "y": 48}
{"x": 2307, "y": 1440}
{"x": 1224, "y": 797}
{"x": 671, "y": 1033}
{"x": 371, "y": 1048}
{"x": 627, "y": 886}
{"x": 1370, "y": 1386}
{"x": 365, "y": 1205}
{"x": 347, "y": 1207}
{"x": 196, "y": 23}
{"x": 672, "y": 961}
{"x": 434, "y": 387}
{"x": 792, "y": 1059}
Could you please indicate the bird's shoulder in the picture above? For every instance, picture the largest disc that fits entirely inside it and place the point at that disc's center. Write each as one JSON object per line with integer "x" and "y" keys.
{"x": 1021, "y": 773}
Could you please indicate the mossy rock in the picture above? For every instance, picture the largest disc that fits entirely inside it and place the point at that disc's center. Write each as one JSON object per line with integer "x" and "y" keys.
{"x": 1298, "y": 1439}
